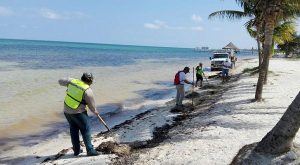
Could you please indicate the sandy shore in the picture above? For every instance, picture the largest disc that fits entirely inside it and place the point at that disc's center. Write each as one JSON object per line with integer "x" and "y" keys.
{"x": 222, "y": 120}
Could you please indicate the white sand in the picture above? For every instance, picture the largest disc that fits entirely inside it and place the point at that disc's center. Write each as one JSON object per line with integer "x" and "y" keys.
{"x": 234, "y": 122}
{"x": 214, "y": 137}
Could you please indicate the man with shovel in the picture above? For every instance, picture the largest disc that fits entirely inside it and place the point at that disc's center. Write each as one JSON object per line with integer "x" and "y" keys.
{"x": 79, "y": 96}
{"x": 179, "y": 81}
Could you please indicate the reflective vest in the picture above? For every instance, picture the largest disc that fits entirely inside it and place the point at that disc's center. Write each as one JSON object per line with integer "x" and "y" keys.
{"x": 75, "y": 93}
{"x": 199, "y": 71}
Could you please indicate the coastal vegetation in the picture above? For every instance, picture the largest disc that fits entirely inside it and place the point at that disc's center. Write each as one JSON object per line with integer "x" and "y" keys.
{"x": 270, "y": 22}
{"x": 290, "y": 47}
{"x": 251, "y": 71}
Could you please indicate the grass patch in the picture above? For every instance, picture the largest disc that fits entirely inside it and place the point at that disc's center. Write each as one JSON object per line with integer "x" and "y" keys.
{"x": 252, "y": 71}
{"x": 255, "y": 70}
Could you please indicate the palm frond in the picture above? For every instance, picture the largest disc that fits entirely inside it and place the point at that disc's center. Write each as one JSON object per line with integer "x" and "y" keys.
{"x": 284, "y": 32}
{"x": 250, "y": 26}
{"x": 228, "y": 14}
{"x": 241, "y": 3}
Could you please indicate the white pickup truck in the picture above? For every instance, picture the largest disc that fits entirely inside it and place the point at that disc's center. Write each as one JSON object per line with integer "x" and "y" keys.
{"x": 218, "y": 58}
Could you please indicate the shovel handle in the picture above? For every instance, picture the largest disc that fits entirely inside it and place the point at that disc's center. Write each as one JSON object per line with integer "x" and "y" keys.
{"x": 205, "y": 78}
{"x": 103, "y": 122}
{"x": 193, "y": 86}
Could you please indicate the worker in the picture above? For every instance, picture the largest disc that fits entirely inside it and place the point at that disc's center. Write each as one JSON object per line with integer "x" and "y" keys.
{"x": 79, "y": 96}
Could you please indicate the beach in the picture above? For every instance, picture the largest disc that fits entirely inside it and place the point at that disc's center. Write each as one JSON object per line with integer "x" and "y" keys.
{"x": 223, "y": 119}
{"x": 128, "y": 80}
{"x": 116, "y": 83}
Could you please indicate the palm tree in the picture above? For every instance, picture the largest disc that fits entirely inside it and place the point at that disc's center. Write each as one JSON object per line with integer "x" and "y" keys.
{"x": 278, "y": 141}
{"x": 255, "y": 31}
{"x": 253, "y": 26}
{"x": 283, "y": 32}
{"x": 267, "y": 15}
{"x": 280, "y": 138}
{"x": 272, "y": 11}
{"x": 290, "y": 46}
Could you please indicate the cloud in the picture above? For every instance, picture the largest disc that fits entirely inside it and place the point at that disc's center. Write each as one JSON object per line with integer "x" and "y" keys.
{"x": 151, "y": 26}
{"x": 50, "y": 14}
{"x": 55, "y": 15}
{"x": 157, "y": 24}
{"x": 196, "y": 18}
{"x": 4, "y": 11}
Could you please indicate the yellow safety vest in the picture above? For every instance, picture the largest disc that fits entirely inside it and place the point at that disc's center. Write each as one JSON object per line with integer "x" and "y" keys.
{"x": 75, "y": 93}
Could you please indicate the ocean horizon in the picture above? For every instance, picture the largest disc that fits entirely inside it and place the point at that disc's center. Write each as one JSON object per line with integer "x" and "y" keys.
{"x": 129, "y": 79}
{"x": 92, "y": 43}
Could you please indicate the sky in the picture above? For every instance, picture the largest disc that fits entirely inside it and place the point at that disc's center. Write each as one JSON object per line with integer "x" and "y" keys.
{"x": 167, "y": 23}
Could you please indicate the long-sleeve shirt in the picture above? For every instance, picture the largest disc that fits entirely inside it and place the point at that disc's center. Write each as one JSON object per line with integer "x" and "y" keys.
{"x": 88, "y": 97}
{"x": 182, "y": 77}
{"x": 226, "y": 65}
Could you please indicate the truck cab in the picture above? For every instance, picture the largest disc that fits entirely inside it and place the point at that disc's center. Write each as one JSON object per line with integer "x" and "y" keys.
{"x": 218, "y": 58}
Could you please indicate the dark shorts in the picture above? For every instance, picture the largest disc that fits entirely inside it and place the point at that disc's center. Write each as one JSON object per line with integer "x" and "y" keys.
{"x": 225, "y": 72}
{"x": 199, "y": 77}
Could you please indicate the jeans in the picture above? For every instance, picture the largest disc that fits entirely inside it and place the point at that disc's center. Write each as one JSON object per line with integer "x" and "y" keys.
{"x": 80, "y": 122}
{"x": 180, "y": 94}
{"x": 225, "y": 72}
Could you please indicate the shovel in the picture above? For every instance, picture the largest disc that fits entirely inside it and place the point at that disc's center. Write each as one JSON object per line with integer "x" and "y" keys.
{"x": 205, "y": 78}
{"x": 103, "y": 122}
{"x": 193, "y": 87}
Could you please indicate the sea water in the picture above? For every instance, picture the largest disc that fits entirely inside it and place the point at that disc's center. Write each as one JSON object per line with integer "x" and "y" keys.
{"x": 127, "y": 79}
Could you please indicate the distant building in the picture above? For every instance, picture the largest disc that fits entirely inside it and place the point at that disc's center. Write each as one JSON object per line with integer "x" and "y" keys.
{"x": 203, "y": 48}
{"x": 231, "y": 46}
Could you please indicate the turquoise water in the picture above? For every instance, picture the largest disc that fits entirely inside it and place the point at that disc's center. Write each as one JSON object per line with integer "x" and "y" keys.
{"x": 56, "y": 55}
{"x": 127, "y": 79}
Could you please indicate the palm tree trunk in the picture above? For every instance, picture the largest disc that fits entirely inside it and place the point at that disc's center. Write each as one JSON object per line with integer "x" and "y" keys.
{"x": 280, "y": 138}
{"x": 269, "y": 30}
{"x": 260, "y": 56}
{"x": 266, "y": 74}
{"x": 259, "y": 51}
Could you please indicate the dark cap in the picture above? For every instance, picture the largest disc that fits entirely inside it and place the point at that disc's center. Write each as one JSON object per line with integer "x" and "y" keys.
{"x": 87, "y": 77}
{"x": 187, "y": 69}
